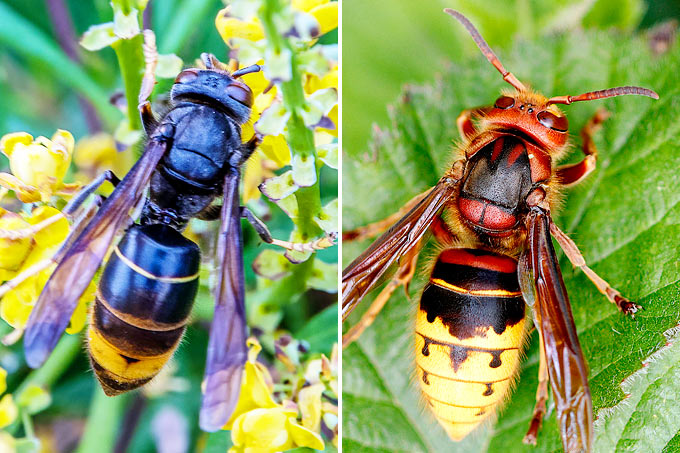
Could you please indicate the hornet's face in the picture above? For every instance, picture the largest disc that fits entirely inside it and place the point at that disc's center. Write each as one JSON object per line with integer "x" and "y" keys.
{"x": 213, "y": 86}
{"x": 530, "y": 113}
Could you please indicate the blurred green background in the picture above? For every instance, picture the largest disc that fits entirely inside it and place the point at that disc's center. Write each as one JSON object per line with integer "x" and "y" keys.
{"x": 42, "y": 89}
{"x": 388, "y": 44}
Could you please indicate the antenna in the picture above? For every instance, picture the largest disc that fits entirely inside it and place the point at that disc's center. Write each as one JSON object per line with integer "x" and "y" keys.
{"x": 486, "y": 50}
{"x": 248, "y": 70}
{"x": 603, "y": 94}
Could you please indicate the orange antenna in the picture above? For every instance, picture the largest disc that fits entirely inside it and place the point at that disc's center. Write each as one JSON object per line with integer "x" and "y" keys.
{"x": 486, "y": 50}
{"x": 602, "y": 94}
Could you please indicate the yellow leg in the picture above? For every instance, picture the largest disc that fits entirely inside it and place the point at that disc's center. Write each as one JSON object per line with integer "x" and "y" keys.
{"x": 541, "y": 399}
{"x": 403, "y": 277}
{"x": 576, "y": 258}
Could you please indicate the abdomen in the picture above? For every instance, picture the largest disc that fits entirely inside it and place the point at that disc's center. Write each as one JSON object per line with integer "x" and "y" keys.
{"x": 142, "y": 306}
{"x": 469, "y": 335}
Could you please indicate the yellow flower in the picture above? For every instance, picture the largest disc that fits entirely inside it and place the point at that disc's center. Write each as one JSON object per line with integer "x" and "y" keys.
{"x": 309, "y": 400}
{"x": 329, "y": 80}
{"x": 233, "y": 28}
{"x": 230, "y": 27}
{"x": 3, "y": 380}
{"x": 333, "y": 116}
{"x": 16, "y": 305}
{"x": 271, "y": 430}
{"x": 326, "y": 15}
{"x": 38, "y": 166}
{"x": 255, "y": 390}
{"x": 8, "y": 411}
{"x": 13, "y": 250}
{"x": 259, "y": 424}
{"x": 96, "y": 153}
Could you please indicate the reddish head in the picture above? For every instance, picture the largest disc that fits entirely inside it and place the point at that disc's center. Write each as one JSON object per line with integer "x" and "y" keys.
{"x": 529, "y": 112}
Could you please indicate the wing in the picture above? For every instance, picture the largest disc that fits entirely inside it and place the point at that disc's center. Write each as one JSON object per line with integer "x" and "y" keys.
{"x": 227, "y": 349}
{"x": 542, "y": 286}
{"x": 362, "y": 274}
{"x": 75, "y": 271}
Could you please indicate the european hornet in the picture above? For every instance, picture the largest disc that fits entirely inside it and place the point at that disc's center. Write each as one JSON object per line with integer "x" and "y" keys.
{"x": 491, "y": 216}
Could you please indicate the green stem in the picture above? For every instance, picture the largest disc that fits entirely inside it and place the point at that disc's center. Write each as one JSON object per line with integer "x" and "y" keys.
{"x": 66, "y": 351}
{"x": 131, "y": 61}
{"x": 300, "y": 137}
{"x": 61, "y": 358}
{"x": 28, "y": 424}
{"x": 103, "y": 422}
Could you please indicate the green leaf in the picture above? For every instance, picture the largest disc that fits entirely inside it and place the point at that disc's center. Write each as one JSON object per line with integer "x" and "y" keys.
{"x": 625, "y": 218}
{"x": 318, "y": 331}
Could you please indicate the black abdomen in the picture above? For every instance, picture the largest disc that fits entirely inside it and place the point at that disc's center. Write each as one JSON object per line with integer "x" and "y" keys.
{"x": 145, "y": 296}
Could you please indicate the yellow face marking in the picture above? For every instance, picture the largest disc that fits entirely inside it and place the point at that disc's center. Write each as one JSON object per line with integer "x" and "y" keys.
{"x": 149, "y": 275}
{"x": 476, "y": 292}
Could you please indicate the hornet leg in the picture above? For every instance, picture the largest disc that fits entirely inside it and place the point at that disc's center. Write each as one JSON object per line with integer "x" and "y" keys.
{"x": 265, "y": 235}
{"x": 573, "y": 174}
{"x": 403, "y": 277}
{"x": 466, "y": 128}
{"x": 541, "y": 398}
{"x": 576, "y": 258}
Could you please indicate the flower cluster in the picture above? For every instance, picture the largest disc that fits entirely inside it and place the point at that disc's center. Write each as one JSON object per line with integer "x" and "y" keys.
{"x": 295, "y": 103}
{"x": 261, "y": 424}
{"x": 28, "y": 240}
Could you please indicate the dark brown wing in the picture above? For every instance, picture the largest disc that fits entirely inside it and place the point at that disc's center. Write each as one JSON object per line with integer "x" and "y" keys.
{"x": 362, "y": 274}
{"x": 542, "y": 286}
{"x": 74, "y": 273}
{"x": 227, "y": 349}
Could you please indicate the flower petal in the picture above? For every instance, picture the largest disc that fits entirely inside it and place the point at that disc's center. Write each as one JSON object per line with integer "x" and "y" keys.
{"x": 98, "y": 36}
{"x": 279, "y": 187}
{"x": 9, "y": 141}
{"x": 303, "y": 437}
{"x": 125, "y": 26}
{"x": 272, "y": 265}
{"x": 327, "y": 16}
{"x": 3, "y": 380}
{"x": 273, "y": 120}
{"x": 279, "y": 66}
{"x": 230, "y": 27}
{"x": 309, "y": 402}
{"x": 304, "y": 170}
{"x": 328, "y": 218}
{"x": 168, "y": 66}
{"x": 275, "y": 147}
{"x": 8, "y": 411}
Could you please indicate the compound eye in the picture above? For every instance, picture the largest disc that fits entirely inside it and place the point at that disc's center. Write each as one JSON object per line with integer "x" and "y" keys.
{"x": 552, "y": 121}
{"x": 186, "y": 76}
{"x": 240, "y": 93}
{"x": 504, "y": 102}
